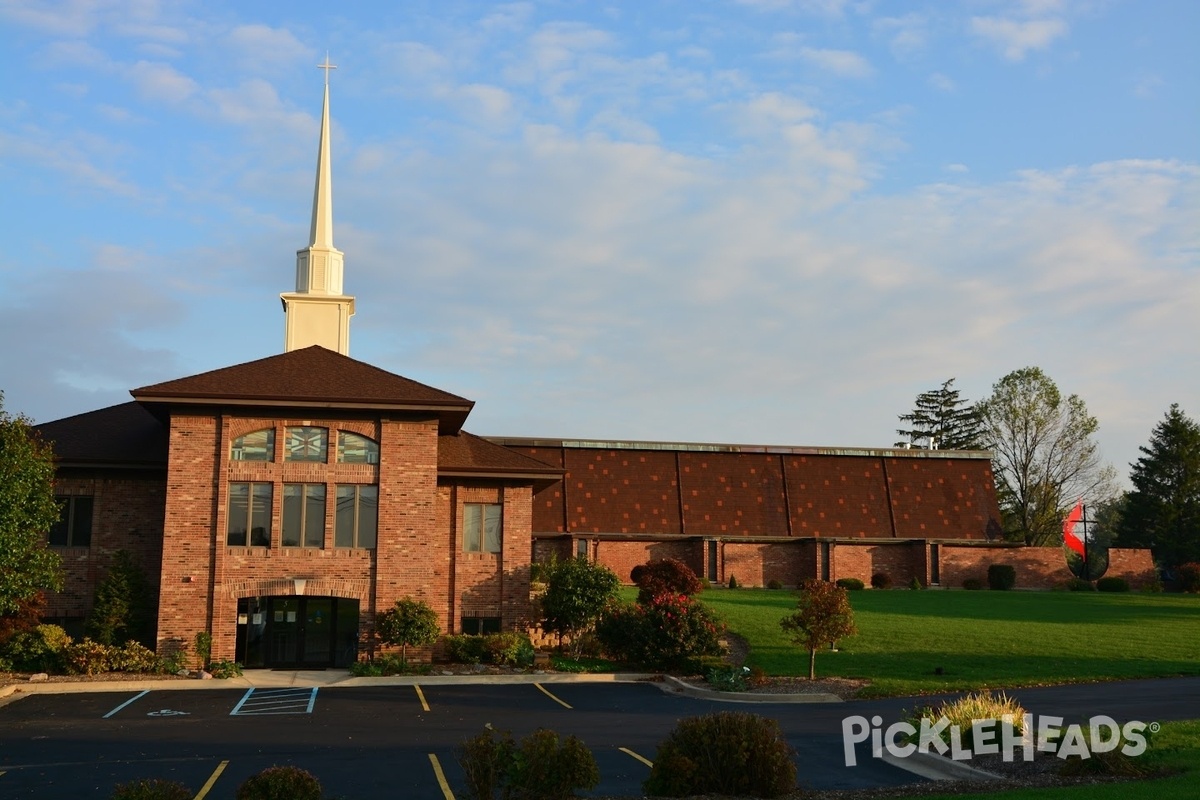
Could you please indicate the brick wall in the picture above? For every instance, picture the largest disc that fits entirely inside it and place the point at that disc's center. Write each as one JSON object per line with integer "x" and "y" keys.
{"x": 127, "y": 514}
{"x": 1038, "y": 567}
{"x": 621, "y": 556}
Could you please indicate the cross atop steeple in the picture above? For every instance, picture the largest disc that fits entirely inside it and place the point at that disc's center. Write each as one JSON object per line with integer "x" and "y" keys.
{"x": 326, "y": 66}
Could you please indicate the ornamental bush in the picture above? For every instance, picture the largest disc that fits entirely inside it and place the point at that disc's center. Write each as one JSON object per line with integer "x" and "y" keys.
{"x": 665, "y": 576}
{"x": 540, "y": 767}
{"x": 1188, "y": 576}
{"x": 87, "y": 657}
{"x": 973, "y": 584}
{"x": 727, "y": 753}
{"x": 669, "y": 632}
{"x": 463, "y": 648}
{"x": 1080, "y": 585}
{"x": 509, "y": 648}
{"x": 1002, "y": 576}
{"x": 151, "y": 789}
{"x": 881, "y": 580}
{"x": 133, "y": 657}
{"x": 965, "y": 710}
{"x": 409, "y": 622}
{"x": 42, "y": 649}
{"x": 1112, "y": 584}
{"x": 280, "y": 783}
{"x": 853, "y": 584}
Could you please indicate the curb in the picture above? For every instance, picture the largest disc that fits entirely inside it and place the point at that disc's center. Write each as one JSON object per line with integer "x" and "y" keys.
{"x": 937, "y": 767}
{"x": 673, "y": 685}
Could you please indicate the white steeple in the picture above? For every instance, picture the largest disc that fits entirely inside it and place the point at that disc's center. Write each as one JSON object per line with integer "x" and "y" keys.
{"x": 317, "y": 312}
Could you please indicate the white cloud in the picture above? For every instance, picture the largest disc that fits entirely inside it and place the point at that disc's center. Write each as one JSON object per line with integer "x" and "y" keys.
{"x": 1015, "y": 39}
{"x": 158, "y": 81}
{"x": 942, "y": 83}
{"x": 844, "y": 63}
{"x": 906, "y": 36}
{"x": 264, "y": 46}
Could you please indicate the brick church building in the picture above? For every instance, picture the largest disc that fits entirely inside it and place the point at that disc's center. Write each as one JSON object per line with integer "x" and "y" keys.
{"x": 278, "y": 504}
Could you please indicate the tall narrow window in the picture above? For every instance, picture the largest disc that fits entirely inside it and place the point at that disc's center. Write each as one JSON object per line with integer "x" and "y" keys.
{"x": 481, "y": 527}
{"x": 74, "y": 526}
{"x": 254, "y": 446}
{"x": 249, "y": 515}
{"x": 355, "y": 449}
{"x": 303, "y": 515}
{"x": 306, "y": 444}
{"x": 357, "y": 516}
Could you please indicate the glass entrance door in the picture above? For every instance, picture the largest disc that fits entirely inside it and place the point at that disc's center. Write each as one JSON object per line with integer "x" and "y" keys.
{"x": 300, "y": 632}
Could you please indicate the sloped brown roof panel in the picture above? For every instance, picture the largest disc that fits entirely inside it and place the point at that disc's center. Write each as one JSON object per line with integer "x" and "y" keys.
{"x": 125, "y": 434}
{"x": 312, "y": 375}
{"x": 469, "y": 454}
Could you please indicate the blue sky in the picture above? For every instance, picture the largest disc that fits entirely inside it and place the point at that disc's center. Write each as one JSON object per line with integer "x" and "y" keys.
{"x": 766, "y": 221}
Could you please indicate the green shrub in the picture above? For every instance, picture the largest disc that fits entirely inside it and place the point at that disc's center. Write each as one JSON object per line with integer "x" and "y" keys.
{"x": 172, "y": 657}
{"x": 465, "y": 649}
{"x": 42, "y": 649}
{"x": 964, "y": 710}
{"x": 133, "y": 657}
{"x": 1001, "y": 577}
{"x": 151, "y": 789}
{"x": 123, "y": 606}
{"x": 225, "y": 669}
{"x": 510, "y": 648}
{"x": 670, "y": 632}
{"x": 1112, "y": 585}
{"x": 408, "y": 623}
{"x": 915, "y": 584}
{"x": 881, "y": 580}
{"x": 664, "y": 576}
{"x": 727, "y": 753}
{"x": 852, "y": 584}
{"x": 973, "y": 584}
{"x": 541, "y": 767}
{"x": 366, "y": 669}
{"x": 280, "y": 783}
{"x": 203, "y": 645}
{"x": 1188, "y": 576}
{"x": 733, "y": 583}
{"x": 1079, "y": 585}
{"x": 774, "y": 583}
{"x": 1152, "y": 586}
{"x": 728, "y": 678}
{"x": 87, "y": 657}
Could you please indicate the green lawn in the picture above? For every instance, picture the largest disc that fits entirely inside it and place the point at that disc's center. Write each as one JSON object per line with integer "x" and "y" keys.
{"x": 1176, "y": 748}
{"x": 979, "y": 639}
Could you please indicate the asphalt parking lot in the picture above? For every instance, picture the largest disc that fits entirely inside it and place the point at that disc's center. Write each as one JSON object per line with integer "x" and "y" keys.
{"x": 400, "y": 741}
{"x": 362, "y": 742}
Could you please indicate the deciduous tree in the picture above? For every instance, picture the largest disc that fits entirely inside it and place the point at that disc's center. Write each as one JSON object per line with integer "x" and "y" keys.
{"x": 822, "y": 616}
{"x": 27, "y": 511}
{"x": 1163, "y": 510}
{"x": 1044, "y": 456}
{"x": 576, "y": 593}
{"x": 942, "y": 420}
{"x": 409, "y": 622}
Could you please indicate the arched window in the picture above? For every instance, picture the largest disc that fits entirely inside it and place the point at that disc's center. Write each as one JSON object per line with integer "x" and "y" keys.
{"x": 255, "y": 446}
{"x": 355, "y": 449}
{"x": 306, "y": 444}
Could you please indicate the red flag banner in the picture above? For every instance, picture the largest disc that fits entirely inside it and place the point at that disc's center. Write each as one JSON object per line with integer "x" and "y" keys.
{"x": 1072, "y": 539}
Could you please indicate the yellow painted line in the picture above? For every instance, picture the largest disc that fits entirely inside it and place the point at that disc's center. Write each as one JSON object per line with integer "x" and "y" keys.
{"x": 642, "y": 759}
{"x": 211, "y": 780}
{"x": 421, "y": 696}
{"x": 552, "y": 697}
{"x": 441, "y": 776}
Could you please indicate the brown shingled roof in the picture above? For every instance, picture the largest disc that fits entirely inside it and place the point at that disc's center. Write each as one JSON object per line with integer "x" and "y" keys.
{"x": 125, "y": 435}
{"x": 312, "y": 376}
{"x": 466, "y": 454}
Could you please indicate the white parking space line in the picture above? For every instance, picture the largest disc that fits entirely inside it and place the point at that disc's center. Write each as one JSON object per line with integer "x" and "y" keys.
{"x": 127, "y": 702}
{"x": 261, "y": 702}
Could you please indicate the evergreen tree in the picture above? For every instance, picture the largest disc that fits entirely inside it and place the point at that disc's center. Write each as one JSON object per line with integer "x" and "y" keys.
{"x": 123, "y": 607}
{"x": 942, "y": 420}
{"x": 27, "y": 512}
{"x": 1163, "y": 510}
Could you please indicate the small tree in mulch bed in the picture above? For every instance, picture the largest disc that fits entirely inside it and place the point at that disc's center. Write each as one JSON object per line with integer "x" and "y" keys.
{"x": 410, "y": 622}
{"x": 822, "y": 616}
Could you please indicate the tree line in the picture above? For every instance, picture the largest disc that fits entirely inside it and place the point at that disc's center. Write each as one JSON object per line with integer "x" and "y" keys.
{"x": 1045, "y": 457}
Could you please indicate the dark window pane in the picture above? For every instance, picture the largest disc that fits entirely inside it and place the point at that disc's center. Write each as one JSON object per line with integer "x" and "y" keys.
{"x": 239, "y": 505}
{"x": 470, "y": 626}
{"x": 60, "y": 532}
{"x": 368, "y": 515}
{"x": 314, "y": 516}
{"x": 293, "y": 509}
{"x": 343, "y": 530}
{"x": 260, "y": 515}
{"x": 489, "y": 625}
{"x": 81, "y": 522}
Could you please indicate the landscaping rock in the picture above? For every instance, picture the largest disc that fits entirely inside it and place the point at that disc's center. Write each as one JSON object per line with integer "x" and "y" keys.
{"x": 38, "y": 677}
{"x": 205, "y": 675}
